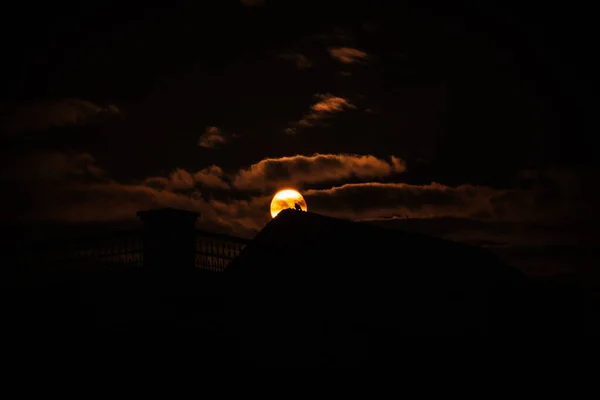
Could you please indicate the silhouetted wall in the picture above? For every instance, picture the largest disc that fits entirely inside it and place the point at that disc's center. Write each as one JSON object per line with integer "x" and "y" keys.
{"x": 169, "y": 239}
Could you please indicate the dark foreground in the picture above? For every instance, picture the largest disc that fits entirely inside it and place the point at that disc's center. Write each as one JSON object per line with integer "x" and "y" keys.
{"x": 272, "y": 323}
{"x": 307, "y": 291}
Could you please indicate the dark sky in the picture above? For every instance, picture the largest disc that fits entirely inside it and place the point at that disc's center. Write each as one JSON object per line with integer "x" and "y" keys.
{"x": 473, "y": 120}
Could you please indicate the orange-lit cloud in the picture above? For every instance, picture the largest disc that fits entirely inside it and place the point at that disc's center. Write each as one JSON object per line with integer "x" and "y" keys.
{"x": 318, "y": 168}
{"x": 347, "y": 55}
{"x": 330, "y": 104}
{"x": 53, "y": 113}
{"x": 212, "y": 137}
{"x": 113, "y": 201}
{"x": 71, "y": 187}
{"x": 273, "y": 173}
{"x": 299, "y": 60}
{"x": 325, "y": 107}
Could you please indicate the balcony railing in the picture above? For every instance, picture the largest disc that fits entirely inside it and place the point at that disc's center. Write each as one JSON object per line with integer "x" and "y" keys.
{"x": 123, "y": 248}
{"x": 214, "y": 252}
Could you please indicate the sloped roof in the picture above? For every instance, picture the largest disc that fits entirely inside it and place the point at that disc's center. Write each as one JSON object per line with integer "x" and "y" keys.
{"x": 332, "y": 246}
{"x": 304, "y": 263}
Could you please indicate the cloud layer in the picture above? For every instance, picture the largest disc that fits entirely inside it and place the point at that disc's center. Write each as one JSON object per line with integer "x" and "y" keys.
{"x": 72, "y": 188}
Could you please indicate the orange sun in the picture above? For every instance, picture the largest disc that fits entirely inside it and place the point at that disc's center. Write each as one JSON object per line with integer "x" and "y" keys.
{"x": 287, "y": 198}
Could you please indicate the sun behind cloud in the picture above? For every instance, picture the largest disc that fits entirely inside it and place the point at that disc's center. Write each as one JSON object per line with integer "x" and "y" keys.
{"x": 287, "y": 198}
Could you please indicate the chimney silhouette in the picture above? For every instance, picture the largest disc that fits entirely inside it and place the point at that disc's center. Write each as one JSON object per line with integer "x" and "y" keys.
{"x": 169, "y": 239}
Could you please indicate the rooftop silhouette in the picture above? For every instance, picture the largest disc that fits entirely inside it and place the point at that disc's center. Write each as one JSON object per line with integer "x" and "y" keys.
{"x": 328, "y": 285}
{"x": 405, "y": 281}
{"x": 307, "y": 289}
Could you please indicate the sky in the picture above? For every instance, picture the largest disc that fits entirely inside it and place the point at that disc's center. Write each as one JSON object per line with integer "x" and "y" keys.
{"x": 470, "y": 122}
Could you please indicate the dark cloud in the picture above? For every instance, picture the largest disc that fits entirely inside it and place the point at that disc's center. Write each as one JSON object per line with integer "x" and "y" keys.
{"x": 336, "y": 36}
{"x": 574, "y": 262}
{"x": 536, "y": 248}
{"x": 211, "y": 177}
{"x": 494, "y": 232}
{"x": 41, "y": 115}
{"x": 113, "y": 201}
{"x": 50, "y": 166}
{"x": 212, "y": 137}
{"x": 380, "y": 200}
{"x": 299, "y": 60}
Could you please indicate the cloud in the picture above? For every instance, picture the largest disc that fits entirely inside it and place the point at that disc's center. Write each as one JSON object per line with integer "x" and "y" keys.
{"x": 300, "y": 170}
{"x": 212, "y": 176}
{"x": 534, "y": 248}
{"x": 273, "y": 173}
{"x": 578, "y": 261}
{"x": 180, "y": 179}
{"x": 371, "y": 26}
{"x": 300, "y": 60}
{"x": 112, "y": 201}
{"x": 212, "y": 137}
{"x": 28, "y": 179}
{"x": 71, "y": 187}
{"x": 380, "y": 200}
{"x": 336, "y": 36}
{"x": 347, "y": 55}
{"x": 53, "y": 113}
{"x": 325, "y": 107}
{"x": 244, "y": 215}
{"x": 462, "y": 229}
{"x": 253, "y": 3}
{"x": 330, "y": 104}
{"x": 555, "y": 201}
{"x": 50, "y": 166}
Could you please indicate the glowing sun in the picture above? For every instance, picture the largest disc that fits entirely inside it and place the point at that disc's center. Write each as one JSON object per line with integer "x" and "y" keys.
{"x": 286, "y": 199}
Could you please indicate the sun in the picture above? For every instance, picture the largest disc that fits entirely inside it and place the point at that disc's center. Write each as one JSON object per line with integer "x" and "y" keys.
{"x": 287, "y": 198}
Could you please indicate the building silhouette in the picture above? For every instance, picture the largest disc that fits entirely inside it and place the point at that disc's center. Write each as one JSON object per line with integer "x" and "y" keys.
{"x": 168, "y": 241}
{"x": 307, "y": 289}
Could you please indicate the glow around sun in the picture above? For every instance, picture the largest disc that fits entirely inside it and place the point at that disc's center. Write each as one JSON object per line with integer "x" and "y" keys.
{"x": 287, "y": 198}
